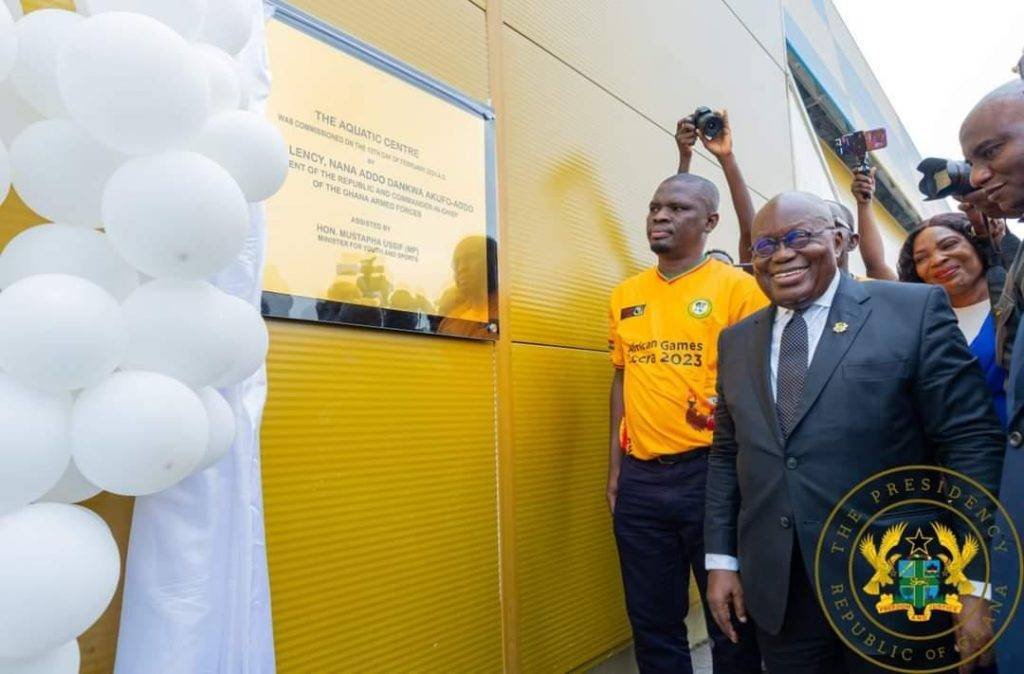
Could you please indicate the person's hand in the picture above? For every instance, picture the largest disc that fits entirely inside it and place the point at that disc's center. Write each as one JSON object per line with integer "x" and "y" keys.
{"x": 725, "y": 599}
{"x": 612, "y": 492}
{"x": 720, "y": 145}
{"x": 973, "y": 632}
{"x": 978, "y": 200}
{"x": 863, "y": 186}
{"x": 686, "y": 136}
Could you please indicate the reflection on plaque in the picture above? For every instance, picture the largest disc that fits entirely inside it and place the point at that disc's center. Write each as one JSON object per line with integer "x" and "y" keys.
{"x": 384, "y": 220}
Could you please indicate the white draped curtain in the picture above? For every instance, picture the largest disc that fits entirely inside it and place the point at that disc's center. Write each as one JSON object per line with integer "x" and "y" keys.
{"x": 196, "y": 592}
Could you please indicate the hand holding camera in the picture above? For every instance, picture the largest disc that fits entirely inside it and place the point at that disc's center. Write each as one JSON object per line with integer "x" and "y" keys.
{"x": 714, "y": 130}
{"x": 863, "y": 186}
{"x": 686, "y": 136}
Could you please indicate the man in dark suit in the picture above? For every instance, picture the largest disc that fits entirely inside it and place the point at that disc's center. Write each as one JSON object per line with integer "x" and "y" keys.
{"x": 891, "y": 358}
{"x": 992, "y": 138}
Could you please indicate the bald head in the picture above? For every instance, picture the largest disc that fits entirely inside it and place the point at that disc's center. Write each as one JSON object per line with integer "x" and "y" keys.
{"x": 702, "y": 188}
{"x": 1012, "y": 91}
{"x": 796, "y": 232}
{"x": 992, "y": 139}
{"x": 794, "y": 208}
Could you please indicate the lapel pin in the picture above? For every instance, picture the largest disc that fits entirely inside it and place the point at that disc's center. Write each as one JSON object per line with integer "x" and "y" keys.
{"x": 839, "y": 328}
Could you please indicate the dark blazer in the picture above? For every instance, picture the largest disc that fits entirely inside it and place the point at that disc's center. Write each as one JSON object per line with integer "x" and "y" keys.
{"x": 1010, "y": 648}
{"x": 899, "y": 386}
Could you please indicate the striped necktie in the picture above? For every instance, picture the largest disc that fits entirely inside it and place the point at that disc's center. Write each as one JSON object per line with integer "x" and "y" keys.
{"x": 792, "y": 371}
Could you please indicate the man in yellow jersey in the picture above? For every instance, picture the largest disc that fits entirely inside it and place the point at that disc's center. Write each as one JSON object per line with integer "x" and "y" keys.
{"x": 665, "y": 324}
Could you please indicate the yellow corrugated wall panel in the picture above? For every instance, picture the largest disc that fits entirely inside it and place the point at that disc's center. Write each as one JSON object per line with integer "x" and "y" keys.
{"x": 582, "y": 167}
{"x": 444, "y": 38}
{"x": 381, "y": 506}
{"x": 666, "y": 58}
{"x": 570, "y": 591}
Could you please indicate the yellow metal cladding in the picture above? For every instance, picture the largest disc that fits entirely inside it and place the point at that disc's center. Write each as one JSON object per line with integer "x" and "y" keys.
{"x": 444, "y": 38}
{"x": 570, "y": 592}
{"x": 663, "y": 59}
{"x": 380, "y": 492}
{"x": 582, "y": 168}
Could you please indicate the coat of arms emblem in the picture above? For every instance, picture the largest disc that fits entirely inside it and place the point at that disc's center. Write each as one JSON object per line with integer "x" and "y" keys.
{"x": 922, "y": 583}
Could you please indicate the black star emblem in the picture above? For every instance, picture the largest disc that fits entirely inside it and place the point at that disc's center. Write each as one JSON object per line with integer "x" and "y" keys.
{"x": 919, "y": 543}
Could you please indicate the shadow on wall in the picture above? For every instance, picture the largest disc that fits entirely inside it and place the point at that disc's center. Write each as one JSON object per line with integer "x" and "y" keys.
{"x": 576, "y": 192}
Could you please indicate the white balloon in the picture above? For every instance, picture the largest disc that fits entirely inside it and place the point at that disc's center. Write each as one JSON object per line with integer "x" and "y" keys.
{"x": 184, "y": 16}
{"x": 138, "y": 433}
{"x": 222, "y": 74}
{"x": 251, "y": 149}
{"x": 67, "y": 249}
{"x": 59, "y": 332}
{"x": 14, "y": 6}
{"x": 175, "y": 328}
{"x": 36, "y": 448}
{"x": 15, "y": 113}
{"x": 64, "y": 659}
{"x": 222, "y": 427}
{"x": 8, "y": 42}
{"x": 228, "y": 24}
{"x": 5, "y": 172}
{"x": 71, "y": 488}
{"x": 59, "y": 171}
{"x": 42, "y": 35}
{"x": 246, "y": 339}
{"x": 59, "y": 567}
{"x": 134, "y": 83}
{"x": 176, "y": 214}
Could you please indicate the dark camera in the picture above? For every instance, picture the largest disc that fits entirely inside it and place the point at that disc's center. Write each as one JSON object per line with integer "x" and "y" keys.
{"x": 858, "y": 144}
{"x": 708, "y": 122}
{"x": 943, "y": 178}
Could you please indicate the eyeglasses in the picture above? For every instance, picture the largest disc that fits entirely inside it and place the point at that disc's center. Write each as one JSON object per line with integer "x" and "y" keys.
{"x": 795, "y": 239}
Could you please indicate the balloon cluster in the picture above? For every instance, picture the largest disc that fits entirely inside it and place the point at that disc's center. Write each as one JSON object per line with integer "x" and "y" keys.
{"x": 125, "y": 126}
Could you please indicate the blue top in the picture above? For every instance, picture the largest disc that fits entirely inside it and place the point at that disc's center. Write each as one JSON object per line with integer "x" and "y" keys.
{"x": 984, "y": 348}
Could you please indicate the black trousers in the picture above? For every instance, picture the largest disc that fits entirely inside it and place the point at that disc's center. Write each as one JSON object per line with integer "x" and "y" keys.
{"x": 659, "y": 530}
{"x": 807, "y": 644}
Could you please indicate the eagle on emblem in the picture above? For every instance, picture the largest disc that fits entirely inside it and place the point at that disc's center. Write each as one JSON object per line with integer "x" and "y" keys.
{"x": 879, "y": 558}
{"x": 959, "y": 557}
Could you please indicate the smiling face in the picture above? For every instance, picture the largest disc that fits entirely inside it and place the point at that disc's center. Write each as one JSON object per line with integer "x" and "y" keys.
{"x": 795, "y": 278}
{"x": 992, "y": 139}
{"x": 946, "y": 258}
{"x": 679, "y": 219}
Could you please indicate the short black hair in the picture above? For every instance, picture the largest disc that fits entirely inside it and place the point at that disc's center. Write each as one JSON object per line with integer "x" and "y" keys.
{"x": 704, "y": 188}
{"x": 957, "y": 222}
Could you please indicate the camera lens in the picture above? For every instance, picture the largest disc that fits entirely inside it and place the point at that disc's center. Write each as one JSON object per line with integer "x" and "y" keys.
{"x": 943, "y": 178}
{"x": 707, "y": 122}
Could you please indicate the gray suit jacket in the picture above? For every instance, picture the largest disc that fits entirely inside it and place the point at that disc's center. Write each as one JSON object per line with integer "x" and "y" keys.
{"x": 898, "y": 387}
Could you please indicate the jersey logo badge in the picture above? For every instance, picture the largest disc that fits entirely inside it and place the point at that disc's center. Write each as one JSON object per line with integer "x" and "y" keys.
{"x": 700, "y": 308}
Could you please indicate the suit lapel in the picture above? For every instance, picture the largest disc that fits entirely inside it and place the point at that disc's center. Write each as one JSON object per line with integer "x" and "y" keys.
{"x": 760, "y": 370}
{"x": 848, "y": 307}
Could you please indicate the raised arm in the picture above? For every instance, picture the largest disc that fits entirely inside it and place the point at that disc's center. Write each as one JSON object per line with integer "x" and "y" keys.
{"x": 871, "y": 249}
{"x": 686, "y": 137}
{"x": 722, "y": 147}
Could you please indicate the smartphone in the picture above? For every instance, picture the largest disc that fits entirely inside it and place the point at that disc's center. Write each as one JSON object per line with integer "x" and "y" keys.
{"x": 859, "y": 143}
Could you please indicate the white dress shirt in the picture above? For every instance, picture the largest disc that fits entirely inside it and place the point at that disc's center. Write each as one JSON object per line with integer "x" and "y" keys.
{"x": 816, "y": 316}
